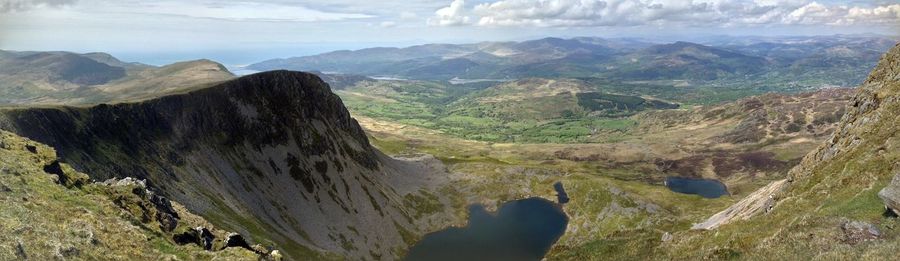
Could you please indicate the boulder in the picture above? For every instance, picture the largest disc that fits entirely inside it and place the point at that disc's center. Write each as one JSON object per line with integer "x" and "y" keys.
{"x": 858, "y": 231}
{"x": 891, "y": 195}
{"x": 198, "y": 235}
{"x": 236, "y": 240}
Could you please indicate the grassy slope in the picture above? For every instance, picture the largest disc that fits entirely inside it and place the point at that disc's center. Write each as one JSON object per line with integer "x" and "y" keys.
{"x": 837, "y": 182}
{"x": 42, "y": 220}
{"x": 533, "y": 111}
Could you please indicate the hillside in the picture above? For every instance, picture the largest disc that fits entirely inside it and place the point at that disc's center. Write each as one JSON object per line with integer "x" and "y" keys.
{"x": 50, "y": 211}
{"x": 829, "y": 206}
{"x": 546, "y": 99}
{"x": 238, "y": 152}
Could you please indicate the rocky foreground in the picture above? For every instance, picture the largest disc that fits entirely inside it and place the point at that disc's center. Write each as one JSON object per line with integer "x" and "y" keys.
{"x": 50, "y": 211}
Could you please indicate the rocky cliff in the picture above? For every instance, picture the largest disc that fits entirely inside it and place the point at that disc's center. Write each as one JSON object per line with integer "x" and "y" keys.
{"x": 273, "y": 155}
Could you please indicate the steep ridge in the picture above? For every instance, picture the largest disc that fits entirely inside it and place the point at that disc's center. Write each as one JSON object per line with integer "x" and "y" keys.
{"x": 273, "y": 155}
{"x": 829, "y": 205}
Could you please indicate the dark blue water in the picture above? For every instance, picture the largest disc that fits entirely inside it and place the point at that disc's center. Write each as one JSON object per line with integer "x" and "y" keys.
{"x": 561, "y": 195}
{"x": 520, "y": 230}
{"x": 706, "y": 188}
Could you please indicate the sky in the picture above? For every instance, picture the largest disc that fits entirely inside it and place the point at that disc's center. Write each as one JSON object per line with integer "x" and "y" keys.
{"x": 246, "y": 31}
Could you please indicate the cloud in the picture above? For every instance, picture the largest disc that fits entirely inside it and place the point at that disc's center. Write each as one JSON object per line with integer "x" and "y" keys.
{"x": 237, "y": 11}
{"x": 452, "y": 15}
{"x": 406, "y": 15}
{"x": 691, "y": 13}
{"x": 7, "y": 6}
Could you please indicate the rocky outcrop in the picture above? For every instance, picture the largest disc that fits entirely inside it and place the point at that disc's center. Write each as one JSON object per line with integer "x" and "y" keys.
{"x": 891, "y": 194}
{"x": 77, "y": 219}
{"x": 760, "y": 201}
{"x": 133, "y": 195}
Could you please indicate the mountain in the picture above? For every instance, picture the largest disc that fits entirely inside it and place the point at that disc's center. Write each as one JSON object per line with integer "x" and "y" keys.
{"x": 274, "y": 156}
{"x": 844, "y": 60}
{"x": 782, "y": 62}
{"x": 829, "y": 206}
{"x": 26, "y": 72}
{"x": 683, "y": 60}
{"x": 446, "y": 61}
{"x": 54, "y": 78}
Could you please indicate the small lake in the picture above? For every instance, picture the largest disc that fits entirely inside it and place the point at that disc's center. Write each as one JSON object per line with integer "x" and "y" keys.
{"x": 707, "y": 188}
{"x": 520, "y": 230}
{"x": 561, "y": 195}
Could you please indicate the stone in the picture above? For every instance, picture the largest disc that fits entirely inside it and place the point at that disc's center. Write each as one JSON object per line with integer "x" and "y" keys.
{"x": 236, "y": 240}
{"x": 31, "y": 148}
{"x": 666, "y": 237}
{"x": 20, "y": 251}
{"x": 858, "y": 231}
{"x": 4, "y": 188}
{"x": 198, "y": 235}
{"x": 275, "y": 255}
{"x": 891, "y": 195}
{"x": 67, "y": 251}
{"x": 165, "y": 213}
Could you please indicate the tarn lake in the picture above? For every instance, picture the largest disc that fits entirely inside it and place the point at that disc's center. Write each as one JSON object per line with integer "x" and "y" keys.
{"x": 522, "y": 229}
{"x": 707, "y": 188}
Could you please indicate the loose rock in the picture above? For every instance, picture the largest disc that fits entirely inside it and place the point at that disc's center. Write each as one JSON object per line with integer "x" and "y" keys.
{"x": 858, "y": 231}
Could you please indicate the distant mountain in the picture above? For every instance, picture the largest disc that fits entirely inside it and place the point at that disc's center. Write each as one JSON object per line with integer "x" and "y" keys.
{"x": 781, "y": 61}
{"x": 54, "y": 71}
{"x": 683, "y": 60}
{"x": 844, "y": 60}
{"x": 446, "y": 61}
{"x": 70, "y": 78}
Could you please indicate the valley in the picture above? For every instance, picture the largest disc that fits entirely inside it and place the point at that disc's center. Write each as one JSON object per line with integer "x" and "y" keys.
{"x": 629, "y": 150}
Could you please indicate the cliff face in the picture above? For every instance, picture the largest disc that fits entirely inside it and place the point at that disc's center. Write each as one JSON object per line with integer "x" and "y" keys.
{"x": 272, "y": 155}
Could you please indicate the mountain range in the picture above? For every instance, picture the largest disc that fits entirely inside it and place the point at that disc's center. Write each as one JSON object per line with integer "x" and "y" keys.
{"x": 842, "y": 60}
{"x": 91, "y": 78}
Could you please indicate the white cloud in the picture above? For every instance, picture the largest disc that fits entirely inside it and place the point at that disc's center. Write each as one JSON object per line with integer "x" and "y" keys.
{"x": 692, "y": 13}
{"x": 24, "y": 5}
{"x": 406, "y": 15}
{"x": 235, "y": 11}
{"x": 452, "y": 15}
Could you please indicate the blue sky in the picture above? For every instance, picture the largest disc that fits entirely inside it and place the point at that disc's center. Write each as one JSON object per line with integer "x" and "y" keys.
{"x": 235, "y": 32}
